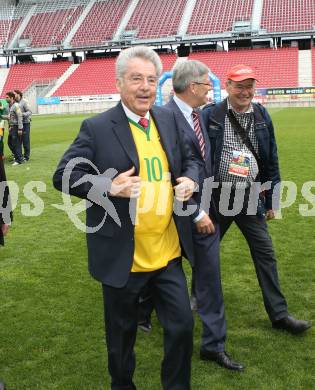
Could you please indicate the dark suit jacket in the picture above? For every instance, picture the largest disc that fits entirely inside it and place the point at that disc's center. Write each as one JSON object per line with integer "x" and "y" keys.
{"x": 107, "y": 142}
{"x": 4, "y": 199}
{"x": 204, "y": 164}
{"x": 214, "y": 119}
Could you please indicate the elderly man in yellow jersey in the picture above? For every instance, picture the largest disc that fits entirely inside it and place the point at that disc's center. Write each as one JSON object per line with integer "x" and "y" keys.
{"x": 139, "y": 244}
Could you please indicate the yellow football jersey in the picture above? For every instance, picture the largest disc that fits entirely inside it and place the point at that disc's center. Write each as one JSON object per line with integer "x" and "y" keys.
{"x": 156, "y": 237}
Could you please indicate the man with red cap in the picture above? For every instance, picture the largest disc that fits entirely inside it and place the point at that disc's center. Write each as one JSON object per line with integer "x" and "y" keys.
{"x": 244, "y": 154}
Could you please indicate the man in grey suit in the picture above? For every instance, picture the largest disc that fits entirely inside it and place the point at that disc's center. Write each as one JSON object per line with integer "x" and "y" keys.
{"x": 138, "y": 144}
{"x": 27, "y": 115}
{"x": 191, "y": 86}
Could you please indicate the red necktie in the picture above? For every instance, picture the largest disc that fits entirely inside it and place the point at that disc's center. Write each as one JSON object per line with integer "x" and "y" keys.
{"x": 198, "y": 132}
{"x": 144, "y": 122}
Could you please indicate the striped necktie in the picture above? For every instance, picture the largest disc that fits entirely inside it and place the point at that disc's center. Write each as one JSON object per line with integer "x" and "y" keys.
{"x": 198, "y": 132}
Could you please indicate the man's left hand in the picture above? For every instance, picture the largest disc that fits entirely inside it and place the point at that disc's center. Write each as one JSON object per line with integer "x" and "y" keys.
{"x": 184, "y": 189}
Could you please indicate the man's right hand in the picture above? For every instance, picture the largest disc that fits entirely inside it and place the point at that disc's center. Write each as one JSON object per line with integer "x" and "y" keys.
{"x": 125, "y": 185}
{"x": 270, "y": 214}
{"x": 205, "y": 225}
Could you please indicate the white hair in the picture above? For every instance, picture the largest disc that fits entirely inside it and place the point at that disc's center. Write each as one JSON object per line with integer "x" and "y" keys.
{"x": 186, "y": 72}
{"x": 144, "y": 52}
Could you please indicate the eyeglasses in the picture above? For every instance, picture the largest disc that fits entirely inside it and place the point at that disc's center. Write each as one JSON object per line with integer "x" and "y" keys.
{"x": 199, "y": 83}
{"x": 241, "y": 87}
{"x": 244, "y": 87}
{"x": 138, "y": 79}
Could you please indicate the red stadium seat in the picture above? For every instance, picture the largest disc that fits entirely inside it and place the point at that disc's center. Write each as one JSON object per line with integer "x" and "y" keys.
{"x": 97, "y": 77}
{"x": 22, "y": 76}
{"x": 8, "y": 29}
{"x": 313, "y": 63}
{"x": 284, "y": 15}
{"x": 50, "y": 28}
{"x": 218, "y": 16}
{"x": 156, "y": 19}
{"x": 275, "y": 68}
{"x": 100, "y": 23}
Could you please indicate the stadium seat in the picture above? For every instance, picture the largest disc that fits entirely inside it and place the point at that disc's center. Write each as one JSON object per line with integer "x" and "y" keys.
{"x": 313, "y": 65}
{"x": 284, "y": 15}
{"x": 97, "y": 76}
{"x": 153, "y": 19}
{"x": 100, "y": 23}
{"x": 22, "y": 76}
{"x": 8, "y": 29}
{"x": 11, "y": 18}
{"x": 51, "y": 23}
{"x": 218, "y": 16}
{"x": 275, "y": 68}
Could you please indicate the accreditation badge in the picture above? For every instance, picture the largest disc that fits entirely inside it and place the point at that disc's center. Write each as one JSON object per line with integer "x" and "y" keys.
{"x": 240, "y": 164}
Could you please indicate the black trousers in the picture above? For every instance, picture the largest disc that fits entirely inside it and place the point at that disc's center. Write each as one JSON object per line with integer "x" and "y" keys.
{"x": 168, "y": 289}
{"x": 26, "y": 140}
{"x": 15, "y": 144}
{"x": 10, "y": 144}
{"x": 206, "y": 287}
{"x": 255, "y": 230}
{"x": 1, "y": 146}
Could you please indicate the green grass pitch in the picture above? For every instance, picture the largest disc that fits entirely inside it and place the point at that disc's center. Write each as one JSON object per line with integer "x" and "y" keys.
{"x": 51, "y": 317}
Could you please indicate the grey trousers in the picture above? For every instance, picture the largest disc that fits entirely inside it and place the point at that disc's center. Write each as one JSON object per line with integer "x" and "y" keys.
{"x": 255, "y": 230}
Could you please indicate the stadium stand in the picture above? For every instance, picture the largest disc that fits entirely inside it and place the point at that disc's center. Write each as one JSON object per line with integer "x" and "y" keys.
{"x": 313, "y": 65}
{"x": 8, "y": 29}
{"x": 10, "y": 20}
{"x": 52, "y": 22}
{"x": 275, "y": 68}
{"x": 217, "y": 16}
{"x": 285, "y": 16}
{"x": 168, "y": 61}
{"x": 100, "y": 23}
{"x": 153, "y": 19}
{"x": 50, "y": 26}
{"x": 90, "y": 78}
{"x": 22, "y": 76}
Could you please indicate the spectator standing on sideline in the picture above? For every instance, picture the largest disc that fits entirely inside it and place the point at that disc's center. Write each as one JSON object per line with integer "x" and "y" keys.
{"x": 142, "y": 144}
{"x": 15, "y": 119}
{"x": 27, "y": 117}
{"x": 244, "y": 151}
{"x": 3, "y": 111}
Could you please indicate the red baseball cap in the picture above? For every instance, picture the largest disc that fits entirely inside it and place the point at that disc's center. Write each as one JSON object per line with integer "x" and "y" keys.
{"x": 241, "y": 72}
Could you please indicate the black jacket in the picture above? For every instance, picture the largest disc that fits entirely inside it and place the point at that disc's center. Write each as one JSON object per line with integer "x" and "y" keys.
{"x": 214, "y": 119}
{"x": 106, "y": 141}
